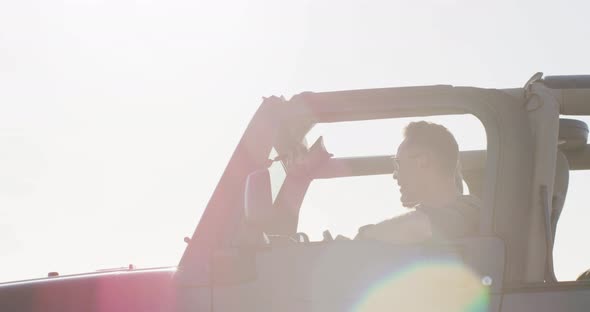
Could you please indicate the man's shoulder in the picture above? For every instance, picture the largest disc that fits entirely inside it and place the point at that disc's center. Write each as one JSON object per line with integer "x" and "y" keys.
{"x": 461, "y": 203}
{"x": 470, "y": 207}
{"x": 457, "y": 219}
{"x": 408, "y": 227}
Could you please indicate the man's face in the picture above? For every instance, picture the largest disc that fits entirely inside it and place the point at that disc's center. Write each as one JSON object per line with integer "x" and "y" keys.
{"x": 412, "y": 173}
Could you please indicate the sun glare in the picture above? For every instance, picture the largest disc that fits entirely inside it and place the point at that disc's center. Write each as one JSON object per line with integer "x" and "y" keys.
{"x": 447, "y": 286}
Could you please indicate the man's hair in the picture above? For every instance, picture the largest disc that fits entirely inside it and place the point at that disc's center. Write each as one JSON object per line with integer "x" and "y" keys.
{"x": 437, "y": 139}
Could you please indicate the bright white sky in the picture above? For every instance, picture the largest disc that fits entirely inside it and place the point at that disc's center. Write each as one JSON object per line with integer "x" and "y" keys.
{"x": 118, "y": 117}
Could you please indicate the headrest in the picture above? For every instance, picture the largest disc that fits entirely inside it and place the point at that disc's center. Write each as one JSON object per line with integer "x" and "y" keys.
{"x": 258, "y": 198}
{"x": 561, "y": 179}
{"x": 560, "y": 185}
{"x": 573, "y": 134}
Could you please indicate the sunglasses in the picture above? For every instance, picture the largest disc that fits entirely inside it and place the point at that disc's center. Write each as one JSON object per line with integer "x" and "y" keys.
{"x": 396, "y": 161}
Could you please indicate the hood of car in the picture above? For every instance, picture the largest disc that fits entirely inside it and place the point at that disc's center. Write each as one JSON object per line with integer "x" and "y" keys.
{"x": 132, "y": 290}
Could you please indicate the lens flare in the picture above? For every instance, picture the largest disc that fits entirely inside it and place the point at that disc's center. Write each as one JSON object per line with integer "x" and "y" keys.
{"x": 427, "y": 286}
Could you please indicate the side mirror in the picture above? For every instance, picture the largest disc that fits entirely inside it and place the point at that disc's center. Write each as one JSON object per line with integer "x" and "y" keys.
{"x": 232, "y": 266}
{"x": 258, "y": 199}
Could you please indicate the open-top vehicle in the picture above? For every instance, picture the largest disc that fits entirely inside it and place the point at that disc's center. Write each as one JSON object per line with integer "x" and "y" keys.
{"x": 248, "y": 252}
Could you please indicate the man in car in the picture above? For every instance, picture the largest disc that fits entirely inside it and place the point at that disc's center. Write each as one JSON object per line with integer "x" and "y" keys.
{"x": 426, "y": 170}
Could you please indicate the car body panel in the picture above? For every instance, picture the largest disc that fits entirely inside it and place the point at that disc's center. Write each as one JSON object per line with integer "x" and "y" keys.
{"x": 142, "y": 290}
